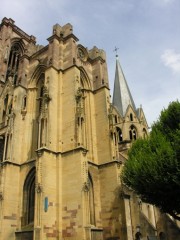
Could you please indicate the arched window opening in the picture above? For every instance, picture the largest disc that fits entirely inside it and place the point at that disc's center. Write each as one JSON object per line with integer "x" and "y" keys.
{"x": 132, "y": 133}
{"x": 42, "y": 100}
{"x": 84, "y": 80}
{"x": 40, "y": 92}
{"x": 131, "y": 117}
{"x": 29, "y": 199}
{"x": 91, "y": 201}
{"x": 13, "y": 63}
{"x": 119, "y": 134}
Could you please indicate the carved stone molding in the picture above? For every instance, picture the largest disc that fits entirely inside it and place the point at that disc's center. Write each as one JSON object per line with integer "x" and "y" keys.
{"x": 85, "y": 187}
{"x": 23, "y": 112}
{"x": 84, "y": 152}
{"x": 39, "y": 152}
{"x": 39, "y": 188}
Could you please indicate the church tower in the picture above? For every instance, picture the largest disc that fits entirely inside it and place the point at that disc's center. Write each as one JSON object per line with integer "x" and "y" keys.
{"x": 127, "y": 122}
{"x": 122, "y": 97}
{"x": 63, "y": 143}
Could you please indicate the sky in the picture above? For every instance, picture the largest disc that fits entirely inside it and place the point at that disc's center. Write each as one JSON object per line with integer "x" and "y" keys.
{"x": 146, "y": 33}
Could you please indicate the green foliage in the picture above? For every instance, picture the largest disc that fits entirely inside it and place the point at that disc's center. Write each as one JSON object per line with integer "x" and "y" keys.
{"x": 153, "y": 165}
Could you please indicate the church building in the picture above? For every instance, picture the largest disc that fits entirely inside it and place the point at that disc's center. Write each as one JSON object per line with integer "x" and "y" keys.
{"x": 63, "y": 143}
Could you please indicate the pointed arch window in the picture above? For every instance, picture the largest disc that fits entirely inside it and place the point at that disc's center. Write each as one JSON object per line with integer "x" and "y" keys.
{"x": 13, "y": 63}
{"x": 91, "y": 201}
{"x": 132, "y": 133}
{"x": 119, "y": 134}
{"x": 41, "y": 112}
{"x": 29, "y": 199}
{"x": 40, "y": 87}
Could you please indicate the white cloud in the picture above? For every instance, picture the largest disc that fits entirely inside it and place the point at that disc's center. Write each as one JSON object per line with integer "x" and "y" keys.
{"x": 171, "y": 59}
{"x": 162, "y": 3}
{"x": 166, "y": 1}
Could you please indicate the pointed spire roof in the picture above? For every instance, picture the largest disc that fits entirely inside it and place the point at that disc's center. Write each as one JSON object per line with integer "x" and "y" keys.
{"x": 122, "y": 97}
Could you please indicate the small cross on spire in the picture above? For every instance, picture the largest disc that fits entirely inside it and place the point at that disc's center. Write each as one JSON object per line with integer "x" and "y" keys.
{"x": 116, "y": 50}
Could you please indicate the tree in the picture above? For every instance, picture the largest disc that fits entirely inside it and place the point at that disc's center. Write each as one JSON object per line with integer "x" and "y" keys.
{"x": 153, "y": 166}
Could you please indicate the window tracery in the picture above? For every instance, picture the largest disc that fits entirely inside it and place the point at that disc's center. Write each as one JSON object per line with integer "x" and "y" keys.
{"x": 13, "y": 63}
{"x": 119, "y": 134}
{"x": 42, "y": 107}
{"x": 132, "y": 133}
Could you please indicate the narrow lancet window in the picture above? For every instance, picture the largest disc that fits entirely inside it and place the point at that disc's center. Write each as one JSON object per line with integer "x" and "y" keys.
{"x": 132, "y": 133}
{"x": 13, "y": 63}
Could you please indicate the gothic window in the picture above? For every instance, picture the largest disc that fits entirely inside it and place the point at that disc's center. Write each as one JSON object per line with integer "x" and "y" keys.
{"x": 91, "y": 201}
{"x": 41, "y": 111}
{"x": 29, "y": 199}
{"x": 119, "y": 134}
{"x": 131, "y": 117}
{"x": 13, "y": 63}
{"x": 132, "y": 133}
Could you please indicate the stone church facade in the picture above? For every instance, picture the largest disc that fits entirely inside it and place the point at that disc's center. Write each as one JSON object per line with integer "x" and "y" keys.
{"x": 63, "y": 144}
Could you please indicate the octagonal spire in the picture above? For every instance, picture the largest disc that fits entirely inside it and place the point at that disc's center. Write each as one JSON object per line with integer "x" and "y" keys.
{"x": 122, "y": 97}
